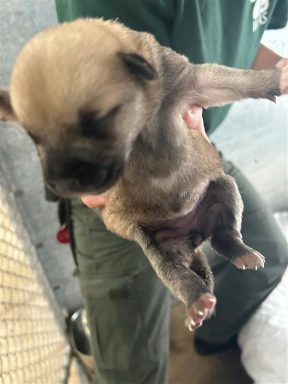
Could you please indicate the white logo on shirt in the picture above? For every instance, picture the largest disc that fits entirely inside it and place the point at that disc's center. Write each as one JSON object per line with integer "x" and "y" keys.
{"x": 260, "y": 13}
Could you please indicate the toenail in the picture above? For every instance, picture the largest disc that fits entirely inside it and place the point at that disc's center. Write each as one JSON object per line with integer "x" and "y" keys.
{"x": 191, "y": 325}
{"x": 200, "y": 313}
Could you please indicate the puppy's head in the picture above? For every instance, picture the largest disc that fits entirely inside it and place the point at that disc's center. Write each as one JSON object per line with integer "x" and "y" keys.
{"x": 84, "y": 91}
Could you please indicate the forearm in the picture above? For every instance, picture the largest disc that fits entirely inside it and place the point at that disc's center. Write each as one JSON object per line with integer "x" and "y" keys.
{"x": 265, "y": 58}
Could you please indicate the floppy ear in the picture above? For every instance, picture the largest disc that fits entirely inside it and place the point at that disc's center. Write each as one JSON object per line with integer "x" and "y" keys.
{"x": 6, "y": 110}
{"x": 138, "y": 66}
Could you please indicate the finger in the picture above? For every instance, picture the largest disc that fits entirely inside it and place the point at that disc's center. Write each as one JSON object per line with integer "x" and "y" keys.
{"x": 194, "y": 120}
{"x": 193, "y": 117}
{"x": 282, "y": 63}
{"x": 94, "y": 201}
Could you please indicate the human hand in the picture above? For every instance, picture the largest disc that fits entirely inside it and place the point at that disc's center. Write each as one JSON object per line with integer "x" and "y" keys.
{"x": 194, "y": 120}
{"x": 283, "y": 62}
{"x": 94, "y": 201}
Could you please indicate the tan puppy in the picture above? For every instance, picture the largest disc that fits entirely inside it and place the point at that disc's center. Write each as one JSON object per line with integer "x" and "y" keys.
{"x": 104, "y": 106}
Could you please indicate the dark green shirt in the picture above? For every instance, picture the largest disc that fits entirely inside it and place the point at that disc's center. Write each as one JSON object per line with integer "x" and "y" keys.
{"x": 213, "y": 31}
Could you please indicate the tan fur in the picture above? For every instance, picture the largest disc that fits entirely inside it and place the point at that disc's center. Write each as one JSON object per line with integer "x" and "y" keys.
{"x": 80, "y": 77}
{"x": 56, "y": 55}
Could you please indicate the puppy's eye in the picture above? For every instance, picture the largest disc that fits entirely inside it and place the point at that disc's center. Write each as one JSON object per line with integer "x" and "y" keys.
{"x": 95, "y": 127}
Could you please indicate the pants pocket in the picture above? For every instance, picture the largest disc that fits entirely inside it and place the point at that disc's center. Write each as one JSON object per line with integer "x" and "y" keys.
{"x": 114, "y": 324}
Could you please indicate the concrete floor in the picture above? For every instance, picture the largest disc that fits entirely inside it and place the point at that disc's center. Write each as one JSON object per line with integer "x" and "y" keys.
{"x": 254, "y": 136}
{"x": 187, "y": 367}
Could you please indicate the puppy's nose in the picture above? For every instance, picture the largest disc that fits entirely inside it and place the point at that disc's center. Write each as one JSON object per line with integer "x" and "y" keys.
{"x": 93, "y": 173}
{"x": 75, "y": 175}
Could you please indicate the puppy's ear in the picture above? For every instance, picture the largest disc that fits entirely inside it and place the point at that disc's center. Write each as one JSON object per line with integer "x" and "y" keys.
{"x": 6, "y": 110}
{"x": 138, "y": 66}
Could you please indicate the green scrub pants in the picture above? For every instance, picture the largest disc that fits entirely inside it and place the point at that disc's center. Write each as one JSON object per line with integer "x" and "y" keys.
{"x": 129, "y": 308}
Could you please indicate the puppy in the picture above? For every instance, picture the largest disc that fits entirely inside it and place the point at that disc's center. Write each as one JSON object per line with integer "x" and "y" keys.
{"x": 104, "y": 107}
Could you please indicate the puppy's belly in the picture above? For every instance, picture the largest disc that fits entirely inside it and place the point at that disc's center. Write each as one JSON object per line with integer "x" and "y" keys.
{"x": 175, "y": 229}
{"x": 194, "y": 225}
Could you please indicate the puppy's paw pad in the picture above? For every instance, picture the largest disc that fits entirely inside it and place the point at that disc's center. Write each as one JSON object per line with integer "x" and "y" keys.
{"x": 250, "y": 260}
{"x": 200, "y": 310}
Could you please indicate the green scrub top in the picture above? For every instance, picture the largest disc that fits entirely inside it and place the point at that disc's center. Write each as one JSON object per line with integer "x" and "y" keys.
{"x": 226, "y": 32}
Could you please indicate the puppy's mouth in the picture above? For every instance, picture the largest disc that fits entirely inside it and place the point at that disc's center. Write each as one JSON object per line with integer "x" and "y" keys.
{"x": 84, "y": 178}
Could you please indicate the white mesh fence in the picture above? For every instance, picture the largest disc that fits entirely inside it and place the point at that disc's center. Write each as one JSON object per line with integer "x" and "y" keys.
{"x": 33, "y": 347}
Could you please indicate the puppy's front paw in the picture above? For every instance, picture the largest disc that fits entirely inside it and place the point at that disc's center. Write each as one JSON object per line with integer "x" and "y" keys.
{"x": 250, "y": 260}
{"x": 200, "y": 310}
{"x": 283, "y": 66}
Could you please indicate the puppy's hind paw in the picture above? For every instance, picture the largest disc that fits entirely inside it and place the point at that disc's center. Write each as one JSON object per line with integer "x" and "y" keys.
{"x": 250, "y": 260}
{"x": 200, "y": 310}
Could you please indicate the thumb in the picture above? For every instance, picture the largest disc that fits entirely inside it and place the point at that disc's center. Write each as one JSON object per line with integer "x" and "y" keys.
{"x": 193, "y": 117}
{"x": 94, "y": 201}
{"x": 194, "y": 120}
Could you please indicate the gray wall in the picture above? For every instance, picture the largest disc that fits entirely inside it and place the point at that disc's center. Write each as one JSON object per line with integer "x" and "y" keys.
{"x": 254, "y": 136}
{"x": 19, "y": 21}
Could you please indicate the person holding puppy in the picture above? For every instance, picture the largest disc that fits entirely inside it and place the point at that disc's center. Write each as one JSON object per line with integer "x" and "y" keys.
{"x": 128, "y": 306}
